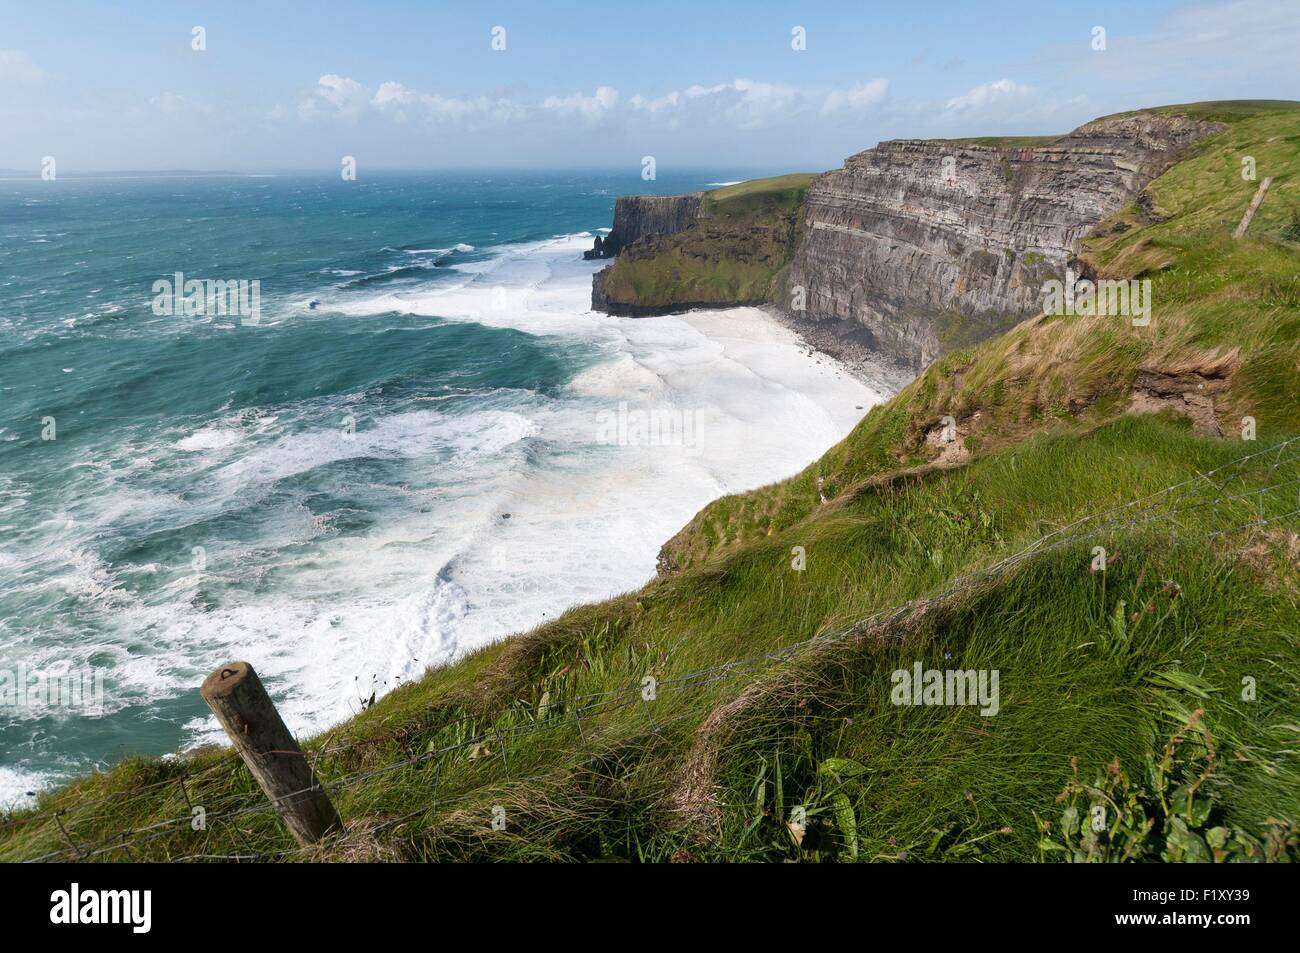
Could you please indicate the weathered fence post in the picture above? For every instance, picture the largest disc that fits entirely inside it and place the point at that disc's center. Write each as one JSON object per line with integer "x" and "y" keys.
{"x": 236, "y": 696}
{"x": 1255, "y": 203}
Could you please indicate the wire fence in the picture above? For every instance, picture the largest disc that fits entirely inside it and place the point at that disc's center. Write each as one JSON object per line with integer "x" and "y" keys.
{"x": 1211, "y": 491}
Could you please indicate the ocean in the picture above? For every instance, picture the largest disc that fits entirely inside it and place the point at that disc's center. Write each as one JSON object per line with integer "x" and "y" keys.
{"x": 421, "y": 441}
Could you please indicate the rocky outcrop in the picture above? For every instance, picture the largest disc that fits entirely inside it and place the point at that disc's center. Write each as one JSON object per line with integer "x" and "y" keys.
{"x": 710, "y": 265}
{"x": 715, "y": 249}
{"x": 636, "y": 216}
{"x": 930, "y": 245}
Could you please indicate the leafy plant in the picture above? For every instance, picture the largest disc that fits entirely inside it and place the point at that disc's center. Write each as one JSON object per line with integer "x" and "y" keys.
{"x": 1291, "y": 232}
{"x": 1169, "y": 815}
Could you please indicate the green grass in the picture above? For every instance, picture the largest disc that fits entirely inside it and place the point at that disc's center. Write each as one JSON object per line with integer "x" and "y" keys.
{"x": 732, "y": 255}
{"x": 1212, "y": 296}
{"x": 1224, "y": 110}
{"x": 781, "y": 194}
{"x": 1097, "y": 670}
{"x": 610, "y": 790}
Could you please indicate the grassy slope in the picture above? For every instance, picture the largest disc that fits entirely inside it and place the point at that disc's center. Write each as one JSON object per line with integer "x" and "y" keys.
{"x": 1094, "y": 667}
{"x": 733, "y": 254}
{"x": 1213, "y": 296}
{"x": 1224, "y": 110}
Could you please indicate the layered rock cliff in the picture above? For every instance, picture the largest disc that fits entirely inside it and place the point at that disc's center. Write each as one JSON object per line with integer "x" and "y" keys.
{"x": 636, "y": 216}
{"x": 931, "y": 245}
{"x": 702, "y": 250}
{"x": 922, "y": 245}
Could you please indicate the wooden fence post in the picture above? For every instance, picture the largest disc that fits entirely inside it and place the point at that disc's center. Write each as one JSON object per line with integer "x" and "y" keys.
{"x": 236, "y": 696}
{"x": 1255, "y": 203}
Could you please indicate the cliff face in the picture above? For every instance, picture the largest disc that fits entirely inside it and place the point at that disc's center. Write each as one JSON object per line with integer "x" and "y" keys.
{"x": 636, "y": 216}
{"x": 713, "y": 249}
{"x": 930, "y": 245}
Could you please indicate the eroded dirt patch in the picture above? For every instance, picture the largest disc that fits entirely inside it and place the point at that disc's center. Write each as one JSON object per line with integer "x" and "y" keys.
{"x": 1188, "y": 389}
{"x": 947, "y": 440}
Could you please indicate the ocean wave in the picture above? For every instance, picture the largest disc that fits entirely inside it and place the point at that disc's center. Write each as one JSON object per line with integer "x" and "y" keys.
{"x": 539, "y": 287}
{"x": 459, "y": 247}
{"x": 18, "y": 787}
{"x": 414, "y": 434}
{"x": 414, "y": 269}
{"x": 345, "y": 563}
{"x": 209, "y": 438}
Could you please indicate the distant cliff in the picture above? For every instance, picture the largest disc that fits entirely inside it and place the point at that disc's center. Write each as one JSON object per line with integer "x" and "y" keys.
{"x": 636, "y": 216}
{"x": 705, "y": 249}
{"x": 931, "y": 245}
{"x": 925, "y": 245}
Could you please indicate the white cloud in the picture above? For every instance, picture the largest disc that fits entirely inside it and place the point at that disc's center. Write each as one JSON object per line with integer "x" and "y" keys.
{"x": 998, "y": 92}
{"x": 334, "y": 95}
{"x": 342, "y": 97}
{"x": 752, "y": 104}
{"x": 856, "y": 98}
{"x": 740, "y": 104}
{"x": 1246, "y": 32}
{"x": 1238, "y": 49}
{"x": 592, "y": 107}
{"x": 170, "y": 103}
{"x": 476, "y": 111}
{"x": 395, "y": 99}
{"x": 659, "y": 104}
{"x": 391, "y": 95}
{"x": 1005, "y": 102}
{"x": 17, "y": 67}
{"x": 747, "y": 103}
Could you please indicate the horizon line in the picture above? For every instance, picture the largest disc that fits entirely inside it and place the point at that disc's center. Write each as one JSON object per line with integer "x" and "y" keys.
{"x": 18, "y": 175}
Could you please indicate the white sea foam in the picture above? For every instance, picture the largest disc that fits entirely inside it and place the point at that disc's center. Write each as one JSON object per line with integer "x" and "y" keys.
{"x": 16, "y": 786}
{"x": 209, "y": 438}
{"x": 587, "y": 521}
{"x": 459, "y": 246}
{"x": 507, "y": 513}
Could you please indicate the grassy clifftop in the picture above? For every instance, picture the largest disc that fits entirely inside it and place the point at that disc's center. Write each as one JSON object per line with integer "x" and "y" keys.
{"x": 1161, "y": 688}
{"x": 743, "y": 238}
{"x": 1223, "y": 318}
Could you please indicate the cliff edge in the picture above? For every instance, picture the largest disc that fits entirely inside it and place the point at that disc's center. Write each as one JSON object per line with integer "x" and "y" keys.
{"x": 714, "y": 249}
{"x": 637, "y": 216}
{"x": 933, "y": 244}
{"x": 920, "y": 246}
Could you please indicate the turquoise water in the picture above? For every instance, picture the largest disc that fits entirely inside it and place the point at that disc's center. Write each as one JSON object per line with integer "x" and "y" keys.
{"x": 395, "y": 464}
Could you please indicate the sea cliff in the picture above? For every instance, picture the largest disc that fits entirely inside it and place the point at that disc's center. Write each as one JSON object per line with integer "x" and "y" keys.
{"x": 919, "y": 246}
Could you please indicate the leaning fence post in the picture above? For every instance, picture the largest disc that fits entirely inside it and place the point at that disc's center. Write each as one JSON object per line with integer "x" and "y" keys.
{"x": 236, "y": 696}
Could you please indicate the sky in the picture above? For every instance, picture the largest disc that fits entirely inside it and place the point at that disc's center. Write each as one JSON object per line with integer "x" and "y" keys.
{"x": 548, "y": 84}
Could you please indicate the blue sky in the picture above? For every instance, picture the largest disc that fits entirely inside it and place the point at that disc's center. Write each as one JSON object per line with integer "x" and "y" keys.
{"x": 285, "y": 85}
